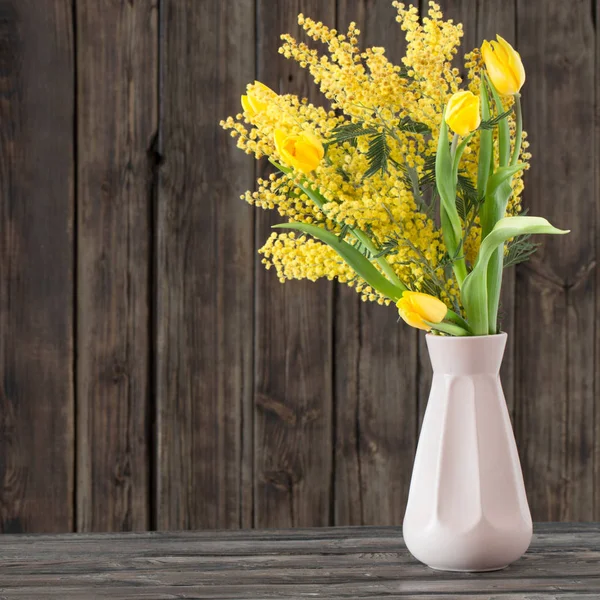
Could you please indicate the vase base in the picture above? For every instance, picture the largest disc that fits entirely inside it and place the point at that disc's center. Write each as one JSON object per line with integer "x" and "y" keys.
{"x": 454, "y": 570}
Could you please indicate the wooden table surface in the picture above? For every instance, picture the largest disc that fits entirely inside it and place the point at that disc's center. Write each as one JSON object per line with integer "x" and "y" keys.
{"x": 563, "y": 562}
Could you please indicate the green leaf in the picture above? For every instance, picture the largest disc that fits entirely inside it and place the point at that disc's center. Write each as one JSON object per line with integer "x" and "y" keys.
{"x": 353, "y": 258}
{"x": 474, "y": 292}
{"x": 349, "y": 133}
{"x": 446, "y": 184}
{"x": 510, "y": 227}
{"x": 455, "y": 318}
{"x": 377, "y": 155}
{"x": 501, "y": 175}
{"x": 448, "y": 328}
{"x": 315, "y": 196}
{"x": 409, "y": 125}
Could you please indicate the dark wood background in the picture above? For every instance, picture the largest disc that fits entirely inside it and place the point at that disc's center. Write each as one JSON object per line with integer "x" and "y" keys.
{"x": 153, "y": 375}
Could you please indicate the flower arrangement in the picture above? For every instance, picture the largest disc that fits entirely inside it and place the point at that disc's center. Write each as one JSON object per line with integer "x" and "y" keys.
{"x": 407, "y": 186}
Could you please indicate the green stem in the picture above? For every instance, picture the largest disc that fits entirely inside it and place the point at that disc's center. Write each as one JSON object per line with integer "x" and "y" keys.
{"x": 448, "y": 233}
{"x": 457, "y": 320}
{"x": 453, "y": 146}
{"x": 458, "y": 152}
{"x": 414, "y": 182}
{"x": 503, "y": 129}
{"x": 485, "y": 144}
{"x": 519, "y": 129}
{"x": 448, "y": 328}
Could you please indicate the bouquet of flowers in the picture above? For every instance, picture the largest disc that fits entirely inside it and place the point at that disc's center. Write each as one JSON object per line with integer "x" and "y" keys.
{"x": 407, "y": 184}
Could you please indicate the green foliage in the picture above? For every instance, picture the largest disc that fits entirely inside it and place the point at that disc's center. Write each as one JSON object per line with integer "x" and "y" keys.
{"x": 475, "y": 290}
{"x": 349, "y": 133}
{"x": 409, "y": 125}
{"x": 467, "y": 199}
{"x": 500, "y": 176}
{"x": 491, "y": 123}
{"x": 379, "y": 151}
{"x": 428, "y": 173}
{"x": 378, "y": 155}
{"x": 519, "y": 250}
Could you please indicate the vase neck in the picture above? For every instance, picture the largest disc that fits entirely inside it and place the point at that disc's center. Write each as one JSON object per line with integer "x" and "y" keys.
{"x": 474, "y": 355}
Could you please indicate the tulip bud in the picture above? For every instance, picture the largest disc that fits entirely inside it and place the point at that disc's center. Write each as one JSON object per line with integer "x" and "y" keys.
{"x": 415, "y": 308}
{"x": 462, "y": 113}
{"x": 255, "y": 101}
{"x": 303, "y": 151}
{"x": 504, "y": 66}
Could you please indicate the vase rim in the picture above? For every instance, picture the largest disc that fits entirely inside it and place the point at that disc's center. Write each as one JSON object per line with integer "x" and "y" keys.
{"x": 466, "y": 355}
{"x": 464, "y": 338}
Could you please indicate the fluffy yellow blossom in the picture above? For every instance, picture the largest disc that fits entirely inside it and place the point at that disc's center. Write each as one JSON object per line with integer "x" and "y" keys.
{"x": 383, "y": 206}
{"x": 253, "y": 103}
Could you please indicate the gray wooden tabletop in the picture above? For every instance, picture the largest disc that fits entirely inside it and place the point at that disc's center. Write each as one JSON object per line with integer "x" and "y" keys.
{"x": 563, "y": 563}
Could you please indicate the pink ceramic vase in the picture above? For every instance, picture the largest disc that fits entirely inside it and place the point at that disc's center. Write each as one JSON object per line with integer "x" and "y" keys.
{"x": 467, "y": 509}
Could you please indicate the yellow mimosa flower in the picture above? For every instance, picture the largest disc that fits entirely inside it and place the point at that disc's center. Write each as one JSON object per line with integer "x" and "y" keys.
{"x": 415, "y": 308}
{"x": 504, "y": 66}
{"x": 303, "y": 151}
{"x": 251, "y": 102}
{"x": 462, "y": 113}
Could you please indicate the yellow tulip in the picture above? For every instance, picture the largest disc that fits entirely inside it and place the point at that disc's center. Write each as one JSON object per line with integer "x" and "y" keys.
{"x": 504, "y": 66}
{"x": 462, "y": 113}
{"x": 415, "y": 308}
{"x": 251, "y": 103}
{"x": 303, "y": 151}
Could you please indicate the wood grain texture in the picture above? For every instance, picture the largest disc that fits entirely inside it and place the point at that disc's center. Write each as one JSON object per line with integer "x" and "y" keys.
{"x": 375, "y": 361}
{"x": 116, "y": 123}
{"x": 555, "y": 303}
{"x": 324, "y": 563}
{"x": 129, "y": 275}
{"x": 36, "y": 266}
{"x": 596, "y": 327}
{"x": 293, "y": 335}
{"x": 205, "y": 264}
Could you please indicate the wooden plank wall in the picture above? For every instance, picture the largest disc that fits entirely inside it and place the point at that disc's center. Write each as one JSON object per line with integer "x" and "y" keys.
{"x": 154, "y": 375}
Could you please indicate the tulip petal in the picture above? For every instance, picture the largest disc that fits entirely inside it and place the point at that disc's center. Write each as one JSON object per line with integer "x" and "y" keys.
{"x": 413, "y": 319}
{"x": 264, "y": 88}
{"x": 315, "y": 142}
{"x": 279, "y": 136}
{"x": 430, "y": 308}
{"x": 513, "y": 62}
{"x": 307, "y": 153}
{"x": 504, "y": 66}
{"x": 500, "y": 49}
{"x": 246, "y": 106}
{"x": 462, "y": 112}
